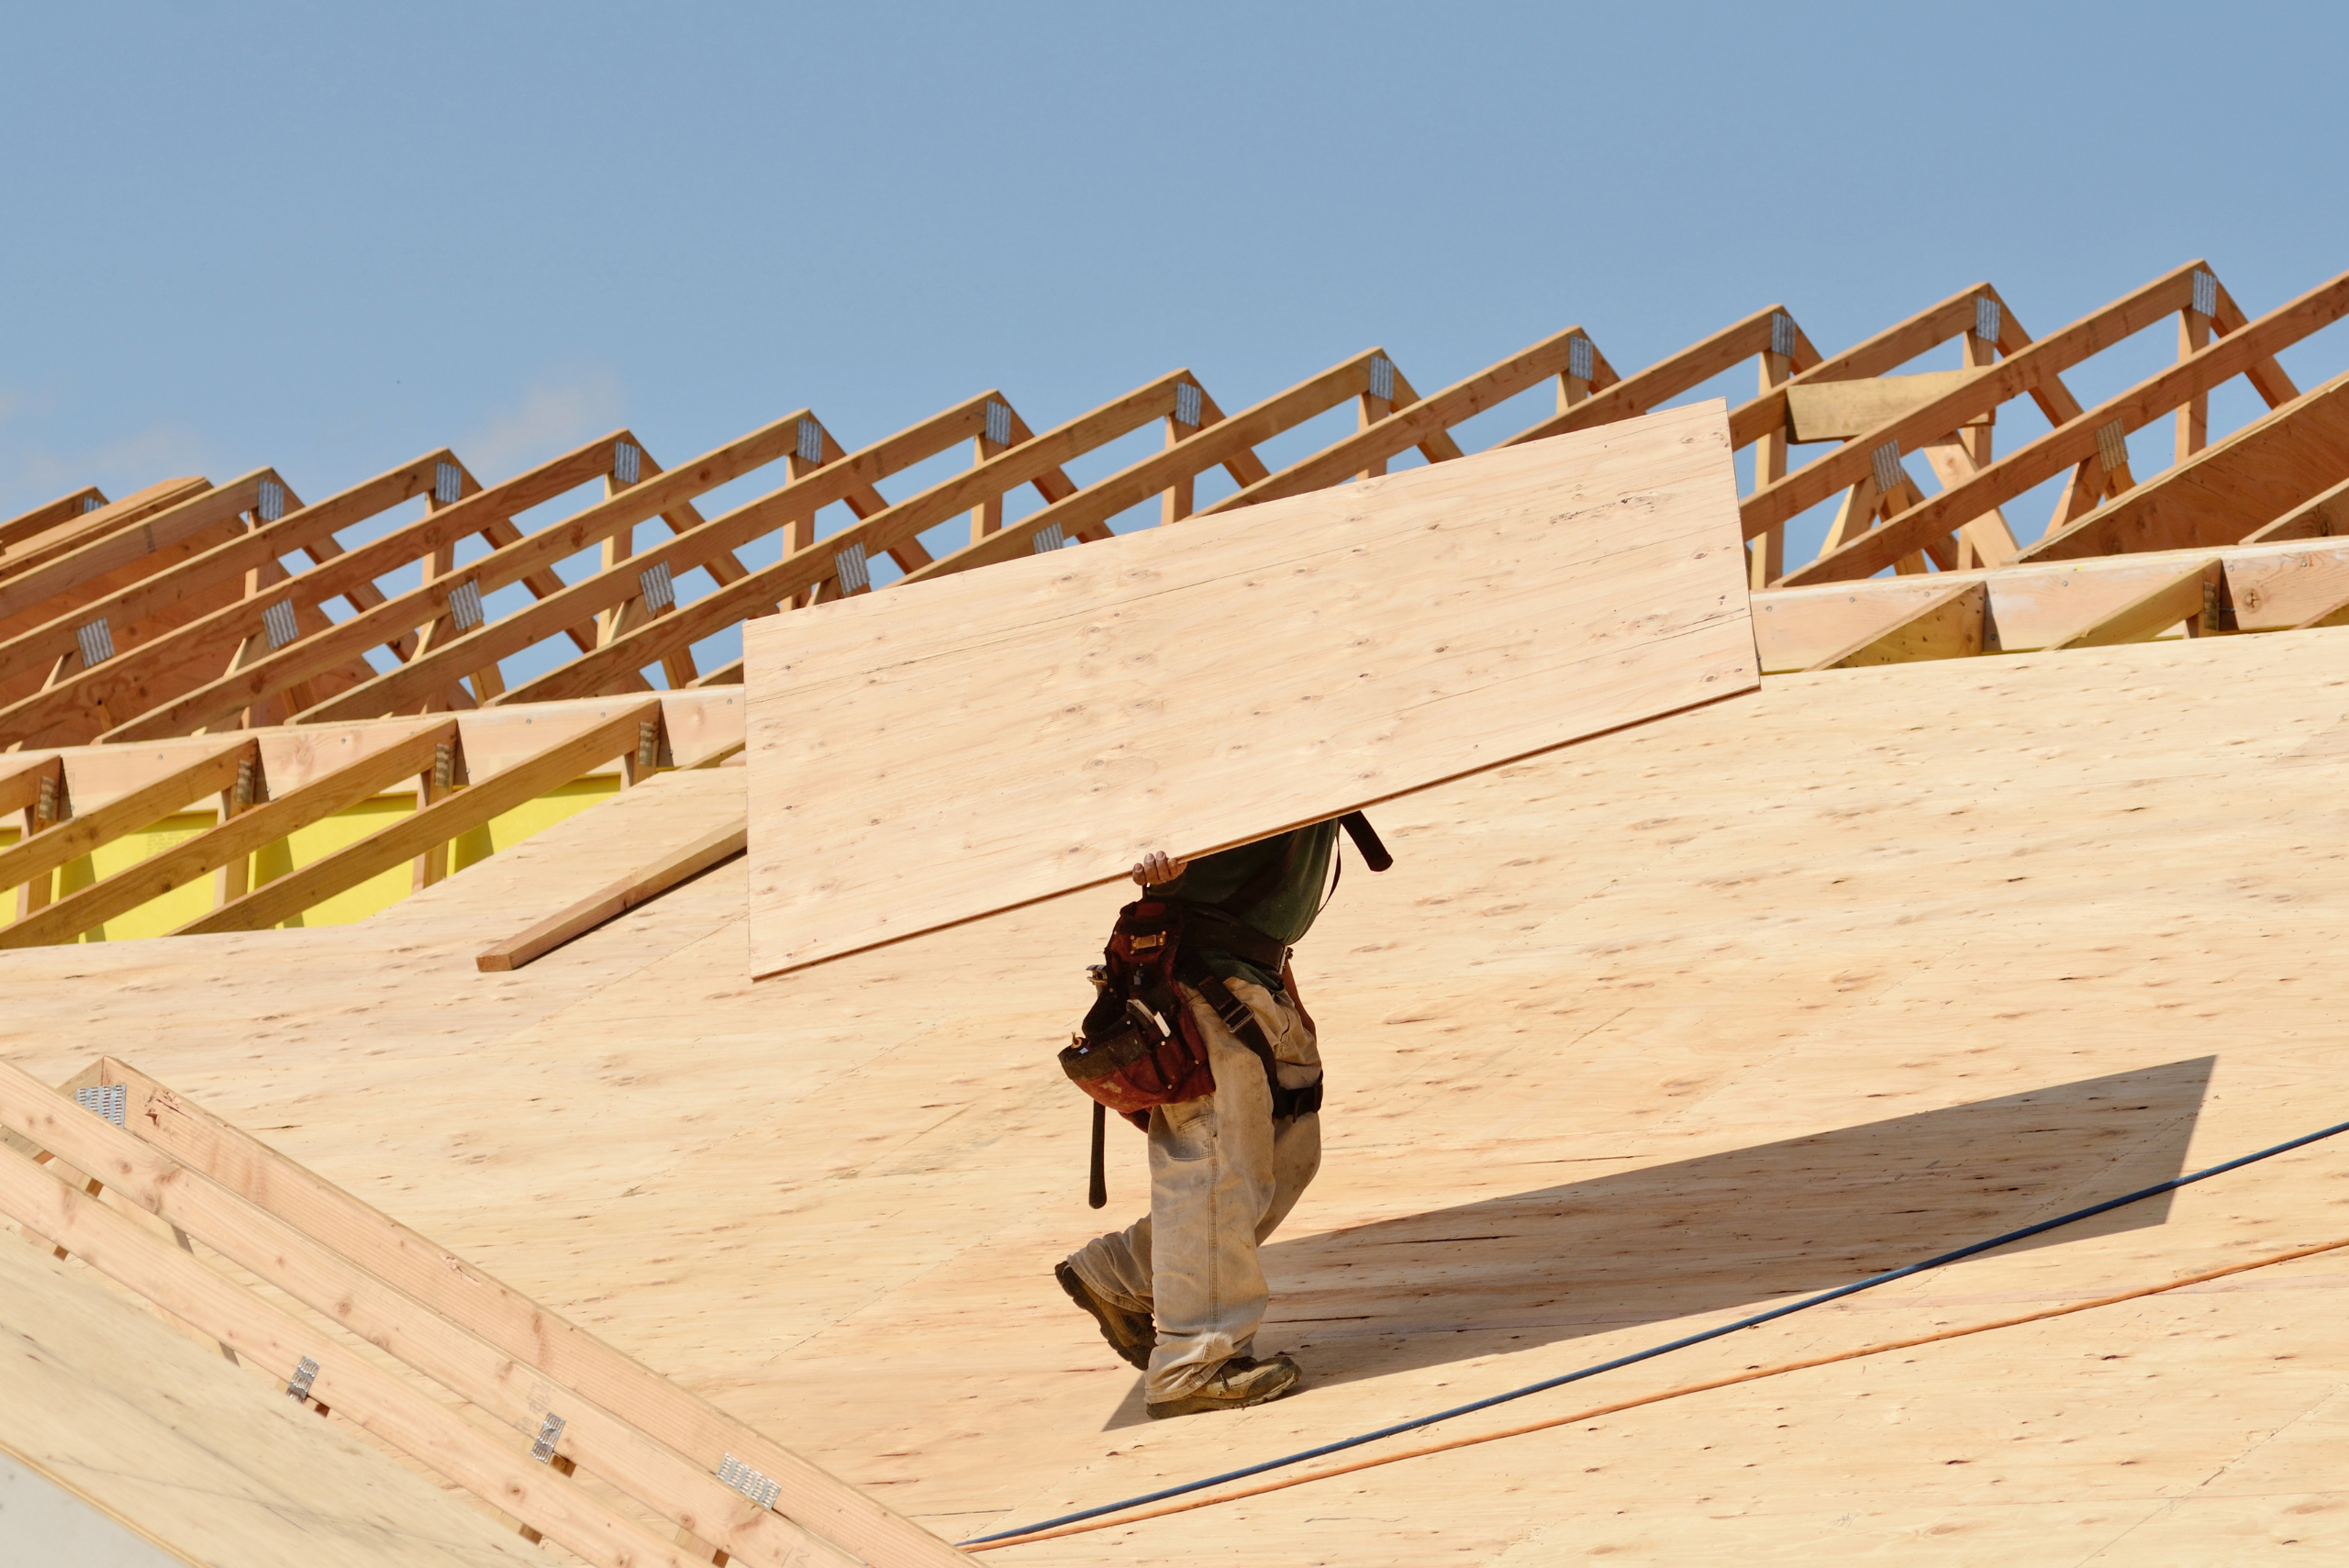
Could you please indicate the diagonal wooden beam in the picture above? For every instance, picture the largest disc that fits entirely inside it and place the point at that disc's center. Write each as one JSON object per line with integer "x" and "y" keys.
{"x": 2188, "y": 596}
{"x": 2227, "y": 493}
{"x": 2267, "y": 377}
{"x": 667, "y": 494}
{"x": 1947, "y": 625}
{"x": 410, "y": 1419}
{"x": 1888, "y": 350}
{"x": 2323, "y": 515}
{"x": 2011, "y": 377}
{"x": 1227, "y": 441}
{"x": 43, "y": 852}
{"x": 65, "y": 509}
{"x": 437, "y": 824}
{"x": 142, "y": 714}
{"x": 233, "y": 839}
{"x": 817, "y": 564}
{"x": 154, "y": 543}
{"x": 320, "y": 1276}
{"x": 1675, "y": 373}
{"x": 309, "y": 528}
{"x": 1422, "y": 422}
{"x": 2075, "y": 441}
{"x": 37, "y": 549}
{"x": 835, "y": 476}
{"x": 641, "y": 885}
{"x": 522, "y": 1328}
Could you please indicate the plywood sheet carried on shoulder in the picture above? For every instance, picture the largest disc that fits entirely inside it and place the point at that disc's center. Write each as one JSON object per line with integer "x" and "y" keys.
{"x": 949, "y": 748}
{"x": 145, "y": 1426}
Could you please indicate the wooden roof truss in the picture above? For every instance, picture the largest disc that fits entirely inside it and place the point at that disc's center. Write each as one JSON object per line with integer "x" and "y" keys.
{"x": 120, "y": 1172}
{"x": 193, "y": 610}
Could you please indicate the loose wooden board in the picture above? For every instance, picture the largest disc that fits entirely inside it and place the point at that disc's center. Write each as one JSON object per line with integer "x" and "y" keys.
{"x": 949, "y": 748}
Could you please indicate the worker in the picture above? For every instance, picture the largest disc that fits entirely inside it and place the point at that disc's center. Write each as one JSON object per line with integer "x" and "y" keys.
{"x": 1180, "y": 1293}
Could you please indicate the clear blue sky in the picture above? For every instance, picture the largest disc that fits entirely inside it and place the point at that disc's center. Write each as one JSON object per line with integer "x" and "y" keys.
{"x": 332, "y": 238}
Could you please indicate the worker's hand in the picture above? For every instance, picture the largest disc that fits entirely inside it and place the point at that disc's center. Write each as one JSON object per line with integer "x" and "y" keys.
{"x": 1156, "y": 867}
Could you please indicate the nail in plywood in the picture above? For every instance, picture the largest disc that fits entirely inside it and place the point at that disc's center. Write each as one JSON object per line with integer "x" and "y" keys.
{"x": 953, "y": 748}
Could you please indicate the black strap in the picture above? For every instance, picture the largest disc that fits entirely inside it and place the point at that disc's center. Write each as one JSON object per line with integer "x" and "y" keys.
{"x": 1365, "y": 837}
{"x": 1096, "y": 1191}
{"x": 1242, "y": 1022}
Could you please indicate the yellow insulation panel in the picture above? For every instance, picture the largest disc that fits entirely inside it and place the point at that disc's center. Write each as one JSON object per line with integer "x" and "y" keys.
{"x": 160, "y": 915}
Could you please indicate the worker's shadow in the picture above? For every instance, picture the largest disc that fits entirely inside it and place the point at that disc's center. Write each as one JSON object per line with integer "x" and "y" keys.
{"x": 1744, "y": 1228}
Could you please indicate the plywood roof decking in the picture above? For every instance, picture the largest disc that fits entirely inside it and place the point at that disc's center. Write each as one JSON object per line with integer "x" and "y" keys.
{"x": 157, "y": 1432}
{"x": 1632, "y": 1037}
{"x": 932, "y": 755}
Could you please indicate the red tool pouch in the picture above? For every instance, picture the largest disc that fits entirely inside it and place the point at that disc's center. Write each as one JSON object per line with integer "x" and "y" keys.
{"x": 1139, "y": 1045}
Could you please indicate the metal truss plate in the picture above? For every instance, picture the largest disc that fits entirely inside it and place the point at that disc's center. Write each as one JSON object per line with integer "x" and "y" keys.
{"x": 628, "y": 462}
{"x": 277, "y": 624}
{"x": 108, "y": 1100}
{"x": 1782, "y": 333}
{"x": 1582, "y": 355}
{"x": 305, "y": 1373}
{"x": 998, "y": 423}
{"x": 2206, "y": 292}
{"x": 849, "y": 565}
{"x": 1047, "y": 539}
{"x": 96, "y": 641}
{"x": 1186, "y": 403}
{"x": 1889, "y": 474}
{"x": 447, "y": 483}
{"x": 749, "y": 1481}
{"x": 1989, "y": 320}
{"x": 550, "y": 1434}
{"x": 811, "y": 442}
{"x": 1382, "y": 377}
{"x": 2113, "y": 446}
{"x": 465, "y": 604}
{"x": 271, "y": 505}
{"x": 659, "y": 589}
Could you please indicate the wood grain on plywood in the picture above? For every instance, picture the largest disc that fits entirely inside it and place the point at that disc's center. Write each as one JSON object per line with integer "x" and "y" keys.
{"x": 206, "y": 1461}
{"x": 953, "y": 748}
{"x": 1635, "y": 1036}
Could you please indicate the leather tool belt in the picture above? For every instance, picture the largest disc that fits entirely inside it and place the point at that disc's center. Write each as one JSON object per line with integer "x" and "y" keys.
{"x": 1140, "y": 1046}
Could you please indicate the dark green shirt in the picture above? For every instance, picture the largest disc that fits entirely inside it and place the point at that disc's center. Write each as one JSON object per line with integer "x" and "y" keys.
{"x": 1283, "y": 912}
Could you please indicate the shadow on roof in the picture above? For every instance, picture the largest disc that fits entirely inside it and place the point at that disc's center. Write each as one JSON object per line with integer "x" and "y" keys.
{"x": 1743, "y": 1228}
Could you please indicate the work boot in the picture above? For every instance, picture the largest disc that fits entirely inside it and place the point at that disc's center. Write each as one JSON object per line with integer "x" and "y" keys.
{"x": 1239, "y": 1382}
{"x": 1131, "y": 1334}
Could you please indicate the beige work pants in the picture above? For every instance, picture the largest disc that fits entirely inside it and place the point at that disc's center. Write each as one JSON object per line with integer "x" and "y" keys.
{"x": 1222, "y": 1177}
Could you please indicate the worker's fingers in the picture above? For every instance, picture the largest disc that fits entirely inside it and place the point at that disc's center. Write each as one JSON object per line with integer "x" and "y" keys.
{"x": 1157, "y": 867}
